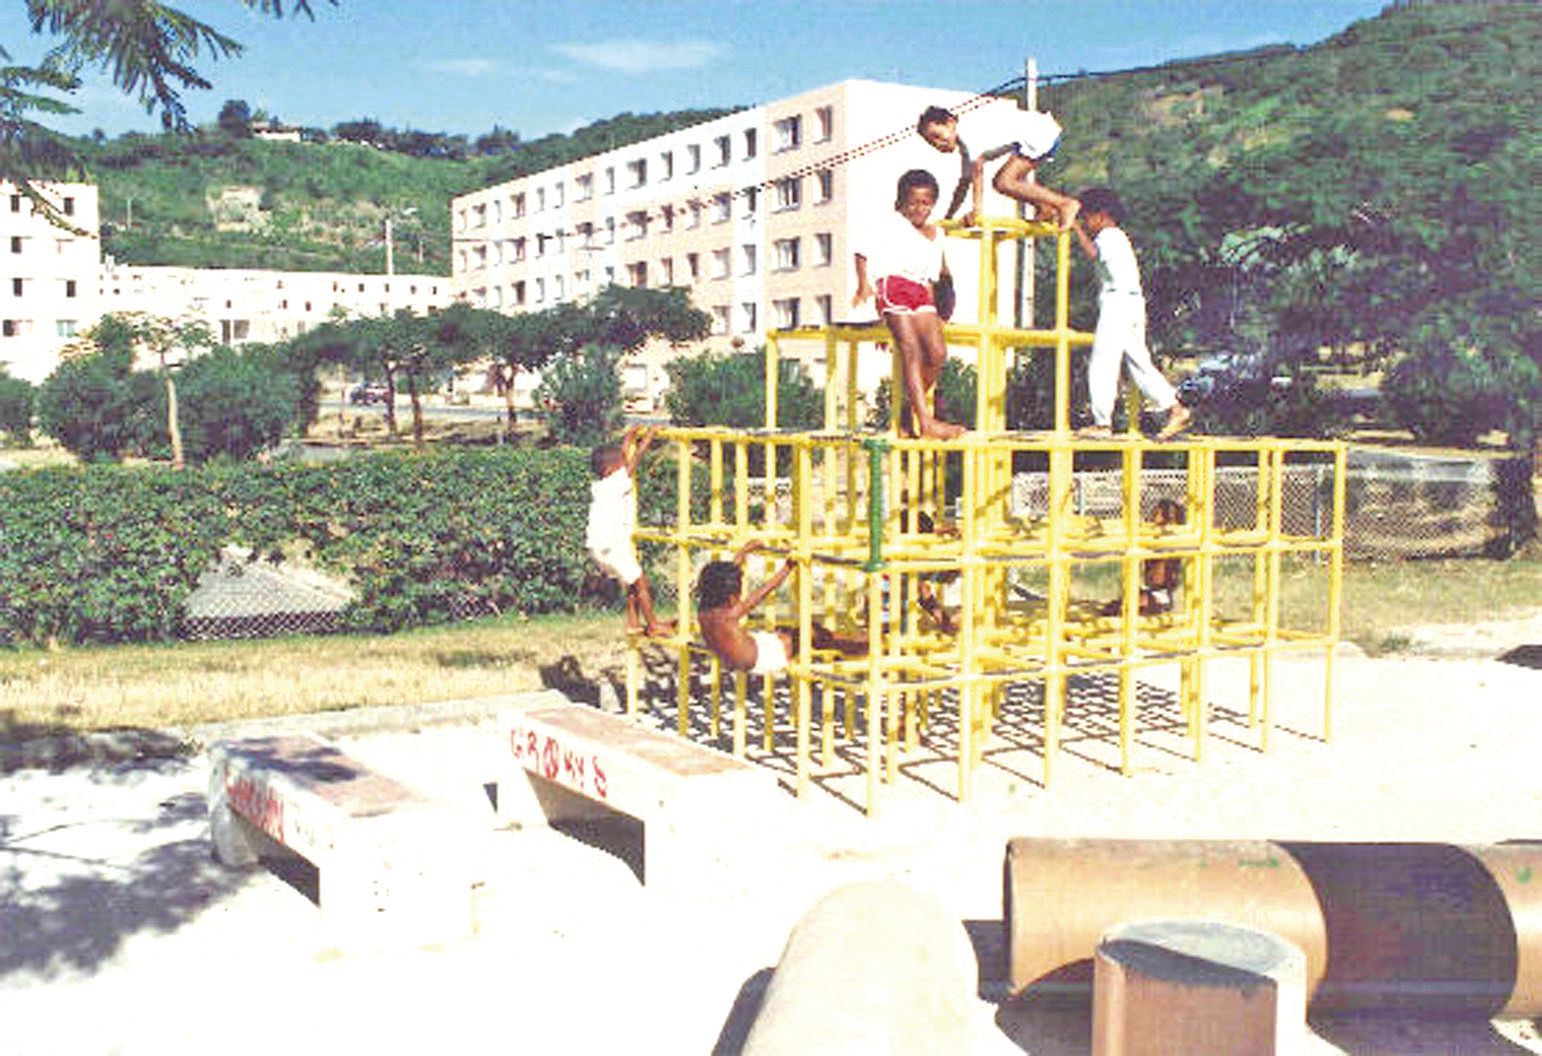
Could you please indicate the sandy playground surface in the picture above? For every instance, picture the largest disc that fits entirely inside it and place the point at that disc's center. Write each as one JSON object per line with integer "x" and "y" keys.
{"x": 119, "y": 934}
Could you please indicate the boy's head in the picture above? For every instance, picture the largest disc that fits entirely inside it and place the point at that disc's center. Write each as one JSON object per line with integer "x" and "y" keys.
{"x": 939, "y": 127}
{"x": 916, "y": 195}
{"x": 1166, "y": 511}
{"x": 1101, "y": 208}
{"x": 606, "y": 459}
{"x": 718, "y": 584}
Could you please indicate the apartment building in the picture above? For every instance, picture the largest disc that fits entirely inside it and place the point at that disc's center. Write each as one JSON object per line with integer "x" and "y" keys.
{"x": 242, "y": 305}
{"x": 50, "y": 289}
{"x": 754, "y": 213}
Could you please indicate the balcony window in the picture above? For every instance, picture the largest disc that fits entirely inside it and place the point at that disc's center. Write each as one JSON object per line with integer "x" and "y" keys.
{"x": 720, "y": 264}
{"x": 824, "y": 245}
{"x": 693, "y": 159}
{"x": 747, "y": 259}
{"x": 637, "y": 173}
{"x": 747, "y": 320}
{"x": 786, "y": 254}
{"x": 786, "y": 313}
{"x": 789, "y": 193}
{"x": 824, "y": 120}
{"x": 788, "y": 133}
{"x": 583, "y": 187}
{"x": 826, "y": 185}
{"x": 720, "y": 208}
{"x": 724, "y": 147}
{"x": 720, "y": 318}
{"x": 750, "y": 143}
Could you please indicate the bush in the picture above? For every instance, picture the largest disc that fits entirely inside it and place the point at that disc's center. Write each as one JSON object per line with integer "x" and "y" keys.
{"x": 109, "y": 553}
{"x": 730, "y": 390}
{"x": 582, "y": 392}
{"x": 17, "y": 400}
{"x": 233, "y": 405}
{"x": 100, "y": 409}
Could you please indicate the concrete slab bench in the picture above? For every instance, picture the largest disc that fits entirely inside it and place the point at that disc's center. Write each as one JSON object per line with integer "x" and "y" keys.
{"x": 571, "y": 762}
{"x": 395, "y": 867}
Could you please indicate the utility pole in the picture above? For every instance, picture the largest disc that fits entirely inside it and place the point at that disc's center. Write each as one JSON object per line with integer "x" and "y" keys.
{"x": 390, "y": 258}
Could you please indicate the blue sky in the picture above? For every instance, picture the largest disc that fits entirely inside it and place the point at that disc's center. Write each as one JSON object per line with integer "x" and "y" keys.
{"x": 537, "y": 67}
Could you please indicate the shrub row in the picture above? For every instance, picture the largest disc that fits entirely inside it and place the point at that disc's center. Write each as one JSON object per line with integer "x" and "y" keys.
{"x": 107, "y": 553}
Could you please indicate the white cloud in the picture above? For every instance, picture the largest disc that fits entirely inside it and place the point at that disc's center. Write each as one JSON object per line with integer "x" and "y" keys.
{"x": 468, "y": 67}
{"x": 553, "y": 76}
{"x": 643, "y": 56}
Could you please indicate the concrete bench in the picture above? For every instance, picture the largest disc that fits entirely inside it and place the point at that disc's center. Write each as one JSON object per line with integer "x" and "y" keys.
{"x": 395, "y": 867}
{"x": 570, "y": 762}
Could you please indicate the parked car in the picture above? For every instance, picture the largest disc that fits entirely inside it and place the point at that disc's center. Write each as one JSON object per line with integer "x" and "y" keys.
{"x": 367, "y": 392}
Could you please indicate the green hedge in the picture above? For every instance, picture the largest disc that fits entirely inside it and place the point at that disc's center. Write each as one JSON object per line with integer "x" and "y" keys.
{"x": 107, "y": 553}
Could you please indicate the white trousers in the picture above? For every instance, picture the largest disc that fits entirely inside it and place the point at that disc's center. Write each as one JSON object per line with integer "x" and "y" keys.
{"x": 1121, "y": 338}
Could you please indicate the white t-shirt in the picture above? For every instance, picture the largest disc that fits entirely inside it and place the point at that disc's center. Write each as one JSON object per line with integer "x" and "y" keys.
{"x": 1032, "y": 133}
{"x": 1116, "y": 264}
{"x": 612, "y": 511}
{"x": 894, "y": 246}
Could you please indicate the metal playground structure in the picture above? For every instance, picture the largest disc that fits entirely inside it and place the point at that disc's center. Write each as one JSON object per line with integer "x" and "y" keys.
{"x": 884, "y": 529}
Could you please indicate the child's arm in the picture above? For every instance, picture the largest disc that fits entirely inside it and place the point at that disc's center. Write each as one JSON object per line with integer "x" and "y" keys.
{"x": 1088, "y": 246}
{"x": 641, "y": 439}
{"x": 864, "y": 288}
{"x": 760, "y": 593}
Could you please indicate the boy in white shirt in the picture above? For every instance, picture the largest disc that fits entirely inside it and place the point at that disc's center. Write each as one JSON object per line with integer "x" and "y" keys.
{"x": 1120, "y": 336}
{"x": 1025, "y": 137}
{"x": 612, "y": 519}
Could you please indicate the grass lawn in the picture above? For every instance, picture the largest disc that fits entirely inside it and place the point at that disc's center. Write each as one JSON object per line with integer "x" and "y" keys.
{"x": 183, "y": 683}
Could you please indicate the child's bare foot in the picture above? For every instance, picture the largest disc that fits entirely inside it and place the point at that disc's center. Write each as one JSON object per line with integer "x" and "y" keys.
{"x": 1177, "y": 421}
{"x": 939, "y": 430}
{"x": 1068, "y": 213}
{"x": 660, "y": 629}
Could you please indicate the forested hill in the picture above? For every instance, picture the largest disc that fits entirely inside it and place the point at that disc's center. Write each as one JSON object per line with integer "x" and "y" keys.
{"x": 216, "y": 199}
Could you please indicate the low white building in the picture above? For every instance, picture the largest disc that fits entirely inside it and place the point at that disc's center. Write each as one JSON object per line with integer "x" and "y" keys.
{"x": 57, "y": 285}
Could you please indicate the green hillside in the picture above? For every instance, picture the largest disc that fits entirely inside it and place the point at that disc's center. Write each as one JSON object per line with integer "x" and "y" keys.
{"x": 210, "y": 200}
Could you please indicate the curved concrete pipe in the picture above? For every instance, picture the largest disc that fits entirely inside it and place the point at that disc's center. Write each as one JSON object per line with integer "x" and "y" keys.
{"x": 1399, "y": 926}
{"x": 873, "y": 967}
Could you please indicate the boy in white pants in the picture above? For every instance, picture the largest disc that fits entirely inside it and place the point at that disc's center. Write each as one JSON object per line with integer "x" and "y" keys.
{"x": 1121, "y": 332}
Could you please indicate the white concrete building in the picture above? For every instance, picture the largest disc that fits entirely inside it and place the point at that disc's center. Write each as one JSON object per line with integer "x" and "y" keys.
{"x": 242, "y": 305}
{"x": 50, "y": 290}
{"x": 755, "y": 213}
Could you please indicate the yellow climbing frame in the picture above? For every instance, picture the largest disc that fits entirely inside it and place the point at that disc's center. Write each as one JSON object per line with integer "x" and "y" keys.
{"x": 1007, "y": 525}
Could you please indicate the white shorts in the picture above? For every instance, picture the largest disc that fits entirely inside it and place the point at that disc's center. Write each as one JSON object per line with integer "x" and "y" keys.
{"x": 619, "y": 561}
{"x": 770, "y": 653}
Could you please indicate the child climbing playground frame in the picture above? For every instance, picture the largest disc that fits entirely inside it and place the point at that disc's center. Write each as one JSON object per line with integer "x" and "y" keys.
{"x": 964, "y": 561}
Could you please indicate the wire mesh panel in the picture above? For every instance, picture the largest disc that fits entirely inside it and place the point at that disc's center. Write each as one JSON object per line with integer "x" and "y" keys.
{"x": 242, "y": 598}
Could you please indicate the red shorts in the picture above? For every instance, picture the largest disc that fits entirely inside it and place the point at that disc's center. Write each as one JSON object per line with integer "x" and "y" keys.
{"x": 902, "y": 296}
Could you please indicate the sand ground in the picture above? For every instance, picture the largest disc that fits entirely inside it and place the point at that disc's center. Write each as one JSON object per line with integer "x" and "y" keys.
{"x": 119, "y": 934}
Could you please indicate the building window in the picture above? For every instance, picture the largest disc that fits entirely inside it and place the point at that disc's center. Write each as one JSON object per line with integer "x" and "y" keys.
{"x": 824, "y": 250}
{"x": 559, "y": 193}
{"x": 750, "y": 143}
{"x": 479, "y": 216}
{"x": 581, "y": 281}
{"x": 16, "y": 203}
{"x": 17, "y": 244}
{"x": 610, "y": 230}
{"x": 666, "y": 166}
{"x": 785, "y": 313}
{"x": 540, "y": 199}
{"x": 747, "y": 322}
{"x": 720, "y": 318}
{"x": 720, "y": 264}
{"x": 519, "y": 206}
{"x": 16, "y": 287}
{"x": 786, "y": 254}
{"x": 824, "y": 120}
{"x": 667, "y": 272}
{"x": 585, "y": 235}
{"x": 478, "y": 258}
{"x": 724, "y": 148}
{"x": 557, "y": 286}
{"x": 695, "y": 217}
{"x": 637, "y": 173}
{"x": 610, "y": 180}
{"x": 583, "y": 187}
{"x": 65, "y": 327}
{"x": 519, "y": 293}
{"x": 747, "y": 259}
{"x": 788, "y": 133}
{"x": 10, "y": 328}
{"x": 824, "y": 307}
{"x": 540, "y": 291}
{"x": 519, "y": 250}
{"x": 636, "y": 225}
{"x": 826, "y": 179}
{"x": 497, "y": 211}
{"x": 540, "y": 246}
{"x": 667, "y": 218}
{"x": 751, "y": 200}
{"x": 693, "y": 265}
{"x": 720, "y": 208}
{"x": 789, "y": 193}
{"x": 693, "y": 159}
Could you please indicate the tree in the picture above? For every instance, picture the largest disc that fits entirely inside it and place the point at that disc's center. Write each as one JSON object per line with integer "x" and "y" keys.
{"x": 235, "y": 119}
{"x": 583, "y": 387}
{"x": 719, "y": 389}
{"x": 236, "y": 404}
{"x": 96, "y": 405}
{"x": 166, "y": 339}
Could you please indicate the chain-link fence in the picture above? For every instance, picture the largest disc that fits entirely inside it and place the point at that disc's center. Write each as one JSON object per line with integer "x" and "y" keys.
{"x": 1396, "y": 507}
